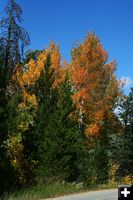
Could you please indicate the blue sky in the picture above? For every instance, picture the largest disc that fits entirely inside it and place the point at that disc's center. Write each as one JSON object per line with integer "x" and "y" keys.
{"x": 66, "y": 21}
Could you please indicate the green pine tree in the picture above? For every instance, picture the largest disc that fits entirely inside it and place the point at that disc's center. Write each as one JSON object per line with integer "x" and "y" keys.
{"x": 60, "y": 143}
{"x": 125, "y": 141}
{"x": 13, "y": 39}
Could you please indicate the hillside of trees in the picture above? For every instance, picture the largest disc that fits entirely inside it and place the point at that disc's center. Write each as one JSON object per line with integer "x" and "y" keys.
{"x": 58, "y": 120}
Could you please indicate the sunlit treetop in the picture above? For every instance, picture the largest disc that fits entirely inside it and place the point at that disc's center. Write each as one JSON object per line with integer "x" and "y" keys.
{"x": 95, "y": 82}
{"x": 27, "y": 76}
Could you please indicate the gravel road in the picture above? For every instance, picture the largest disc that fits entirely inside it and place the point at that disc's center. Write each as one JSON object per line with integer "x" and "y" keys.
{"x": 95, "y": 195}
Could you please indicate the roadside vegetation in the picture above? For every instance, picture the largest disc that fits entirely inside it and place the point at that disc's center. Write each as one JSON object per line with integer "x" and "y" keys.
{"x": 64, "y": 127}
{"x": 53, "y": 190}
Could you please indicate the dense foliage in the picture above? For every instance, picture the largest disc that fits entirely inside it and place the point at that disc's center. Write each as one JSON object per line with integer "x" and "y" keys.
{"x": 58, "y": 120}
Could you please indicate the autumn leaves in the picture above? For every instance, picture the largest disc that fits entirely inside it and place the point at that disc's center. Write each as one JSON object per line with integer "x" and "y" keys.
{"x": 94, "y": 82}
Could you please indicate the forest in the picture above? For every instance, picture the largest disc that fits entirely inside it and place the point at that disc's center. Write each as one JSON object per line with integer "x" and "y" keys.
{"x": 60, "y": 121}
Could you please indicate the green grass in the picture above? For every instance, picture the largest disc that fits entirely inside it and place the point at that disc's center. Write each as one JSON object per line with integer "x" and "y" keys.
{"x": 52, "y": 190}
{"x": 107, "y": 186}
{"x": 43, "y": 191}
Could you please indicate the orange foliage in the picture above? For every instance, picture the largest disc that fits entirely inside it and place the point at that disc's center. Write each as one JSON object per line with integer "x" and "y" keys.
{"x": 94, "y": 81}
{"x": 93, "y": 129}
{"x": 33, "y": 69}
{"x": 95, "y": 84}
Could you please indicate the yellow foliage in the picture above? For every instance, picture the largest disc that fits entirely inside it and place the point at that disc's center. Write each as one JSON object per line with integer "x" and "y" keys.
{"x": 112, "y": 173}
{"x": 26, "y": 78}
{"x": 15, "y": 153}
{"x": 127, "y": 180}
{"x": 32, "y": 71}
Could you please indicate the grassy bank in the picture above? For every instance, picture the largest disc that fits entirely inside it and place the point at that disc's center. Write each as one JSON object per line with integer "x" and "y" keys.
{"x": 44, "y": 191}
{"x": 52, "y": 190}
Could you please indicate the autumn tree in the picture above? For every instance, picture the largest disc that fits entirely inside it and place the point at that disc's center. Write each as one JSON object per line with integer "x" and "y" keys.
{"x": 56, "y": 120}
{"x": 23, "y": 107}
{"x": 96, "y": 91}
{"x": 94, "y": 81}
{"x": 34, "y": 64}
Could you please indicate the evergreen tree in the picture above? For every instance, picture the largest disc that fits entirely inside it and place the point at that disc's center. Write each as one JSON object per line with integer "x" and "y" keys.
{"x": 97, "y": 158}
{"x": 13, "y": 39}
{"x": 125, "y": 141}
{"x": 46, "y": 105}
{"x": 102, "y": 155}
{"x": 60, "y": 143}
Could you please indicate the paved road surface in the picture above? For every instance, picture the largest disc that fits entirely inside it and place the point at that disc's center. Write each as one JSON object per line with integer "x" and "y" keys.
{"x": 95, "y": 195}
